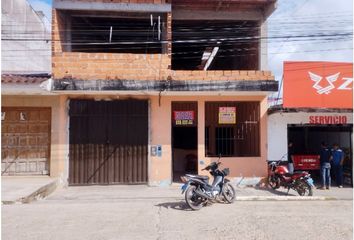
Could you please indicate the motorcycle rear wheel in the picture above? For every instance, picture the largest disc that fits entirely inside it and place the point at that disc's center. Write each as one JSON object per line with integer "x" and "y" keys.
{"x": 303, "y": 188}
{"x": 229, "y": 193}
{"x": 194, "y": 201}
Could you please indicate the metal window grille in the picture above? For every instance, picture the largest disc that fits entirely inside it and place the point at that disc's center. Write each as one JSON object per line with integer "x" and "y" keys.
{"x": 241, "y": 139}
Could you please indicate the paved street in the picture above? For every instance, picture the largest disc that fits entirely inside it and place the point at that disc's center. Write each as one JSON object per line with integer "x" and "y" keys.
{"x": 114, "y": 213}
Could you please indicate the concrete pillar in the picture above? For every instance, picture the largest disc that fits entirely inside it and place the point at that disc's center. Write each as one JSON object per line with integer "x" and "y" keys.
{"x": 169, "y": 33}
{"x": 263, "y": 45}
{"x": 201, "y": 134}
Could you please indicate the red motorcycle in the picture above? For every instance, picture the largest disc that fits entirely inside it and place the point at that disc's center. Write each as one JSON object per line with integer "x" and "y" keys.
{"x": 279, "y": 176}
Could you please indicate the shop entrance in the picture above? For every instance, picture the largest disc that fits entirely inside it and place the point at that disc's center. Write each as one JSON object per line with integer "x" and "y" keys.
{"x": 184, "y": 139}
{"x": 307, "y": 141}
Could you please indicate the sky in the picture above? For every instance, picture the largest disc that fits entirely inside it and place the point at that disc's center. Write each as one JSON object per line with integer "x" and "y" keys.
{"x": 300, "y": 17}
{"x": 42, "y": 5}
{"x": 310, "y": 17}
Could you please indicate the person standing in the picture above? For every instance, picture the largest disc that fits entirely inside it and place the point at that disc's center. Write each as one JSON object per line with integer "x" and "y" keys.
{"x": 291, "y": 157}
{"x": 325, "y": 161}
{"x": 338, "y": 159}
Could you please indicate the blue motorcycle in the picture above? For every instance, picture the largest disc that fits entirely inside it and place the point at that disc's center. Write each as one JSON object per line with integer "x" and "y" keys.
{"x": 198, "y": 191}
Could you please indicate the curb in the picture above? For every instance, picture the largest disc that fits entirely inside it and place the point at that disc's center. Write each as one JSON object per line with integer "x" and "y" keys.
{"x": 286, "y": 198}
{"x": 40, "y": 193}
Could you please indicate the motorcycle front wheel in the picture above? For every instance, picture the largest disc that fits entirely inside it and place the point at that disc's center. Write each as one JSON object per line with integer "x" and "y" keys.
{"x": 303, "y": 188}
{"x": 273, "y": 182}
{"x": 229, "y": 193}
{"x": 194, "y": 201}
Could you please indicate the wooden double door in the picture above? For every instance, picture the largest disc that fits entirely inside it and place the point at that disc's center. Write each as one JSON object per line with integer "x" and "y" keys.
{"x": 25, "y": 135}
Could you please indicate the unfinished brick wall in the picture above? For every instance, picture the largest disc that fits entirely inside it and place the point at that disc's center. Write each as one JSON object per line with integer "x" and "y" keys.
{"x": 222, "y": 75}
{"x": 93, "y": 66}
{"x": 58, "y": 24}
{"x": 125, "y": 1}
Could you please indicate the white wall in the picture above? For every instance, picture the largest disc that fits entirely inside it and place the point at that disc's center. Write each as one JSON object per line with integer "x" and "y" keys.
{"x": 20, "y": 24}
{"x": 278, "y": 129}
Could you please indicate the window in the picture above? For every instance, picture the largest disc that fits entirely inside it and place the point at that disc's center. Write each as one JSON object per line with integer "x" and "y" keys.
{"x": 109, "y": 32}
{"x": 232, "y": 129}
{"x": 224, "y": 141}
{"x": 215, "y": 45}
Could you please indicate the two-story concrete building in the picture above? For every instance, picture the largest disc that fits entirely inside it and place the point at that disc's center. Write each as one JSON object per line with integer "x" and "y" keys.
{"x": 150, "y": 90}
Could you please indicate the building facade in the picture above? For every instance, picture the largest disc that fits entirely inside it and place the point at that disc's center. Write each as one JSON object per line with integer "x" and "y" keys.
{"x": 150, "y": 91}
{"x": 307, "y": 128}
{"x": 317, "y": 107}
{"x": 30, "y": 136}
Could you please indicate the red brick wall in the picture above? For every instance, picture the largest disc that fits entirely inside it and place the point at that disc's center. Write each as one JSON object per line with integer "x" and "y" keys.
{"x": 125, "y": 1}
{"x": 94, "y": 66}
{"x": 57, "y": 33}
{"x": 88, "y": 66}
{"x": 222, "y": 75}
{"x": 110, "y": 66}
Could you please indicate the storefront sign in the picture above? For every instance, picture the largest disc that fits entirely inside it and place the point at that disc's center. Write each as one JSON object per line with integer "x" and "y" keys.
{"x": 227, "y": 115}
{"x": 183, "y": 117}
{"x": 328, "y": 120}
{"x": 318, "y": 84}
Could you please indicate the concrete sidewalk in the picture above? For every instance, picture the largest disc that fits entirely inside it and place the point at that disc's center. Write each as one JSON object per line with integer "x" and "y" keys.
{"x": 114, "y": 193}
{"x": 16, "y": 189}
{"x": 334, "y": 193}
{"x": 27, "y": 189}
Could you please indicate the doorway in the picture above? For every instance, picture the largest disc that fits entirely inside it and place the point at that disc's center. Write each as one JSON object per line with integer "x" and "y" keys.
{"x": 108, "y": 142}
{"x": 307, "y": 140}
{"x": 25, "y": 147}
{"x": 184, "y": 139}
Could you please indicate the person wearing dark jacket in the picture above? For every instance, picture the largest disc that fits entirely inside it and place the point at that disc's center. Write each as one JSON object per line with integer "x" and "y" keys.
{"x": 290, "y": 157}
{"x": 325, "y": 161}
{"x": 338, "y": 159}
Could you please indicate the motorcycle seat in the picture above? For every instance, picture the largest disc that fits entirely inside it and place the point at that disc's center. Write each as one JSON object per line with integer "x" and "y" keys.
{"x": 197, "y": 176}
{"x": 296, "y": 173}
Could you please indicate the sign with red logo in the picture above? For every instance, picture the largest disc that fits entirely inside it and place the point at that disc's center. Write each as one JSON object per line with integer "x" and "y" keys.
{"x": 183, "y": 117}
{"x": 328, "y": 120}
{"x": 318, "y": 84}
{"x": 306, "y": 162}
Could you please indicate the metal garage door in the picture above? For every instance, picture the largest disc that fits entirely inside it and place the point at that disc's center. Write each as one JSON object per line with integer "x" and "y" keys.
{"x": 25, "y": 136}
{"x": 108, "y": 142}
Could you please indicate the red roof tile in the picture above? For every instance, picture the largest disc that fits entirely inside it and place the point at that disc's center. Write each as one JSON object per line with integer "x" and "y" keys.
{"x": 24, "y": 78}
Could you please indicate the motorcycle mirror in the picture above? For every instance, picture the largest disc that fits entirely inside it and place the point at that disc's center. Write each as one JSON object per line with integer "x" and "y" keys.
{"x": 219, "y": 157}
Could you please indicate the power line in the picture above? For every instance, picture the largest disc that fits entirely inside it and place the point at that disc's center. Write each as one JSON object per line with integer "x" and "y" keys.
{"x": 218, "y": 56}
{"x": 190, "y": 41}
{"x": 330, "y": 41}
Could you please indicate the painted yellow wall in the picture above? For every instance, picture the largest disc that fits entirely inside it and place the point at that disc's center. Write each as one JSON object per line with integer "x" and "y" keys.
{"x": 59, "y": 132}
{"x": 160, "y": 134}
{"x": 160, "y": 168}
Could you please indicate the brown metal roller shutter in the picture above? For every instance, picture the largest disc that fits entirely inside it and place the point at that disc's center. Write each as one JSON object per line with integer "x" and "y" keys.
{"x": 25, "y": 136}
{"x": 108, "y": 142}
